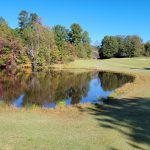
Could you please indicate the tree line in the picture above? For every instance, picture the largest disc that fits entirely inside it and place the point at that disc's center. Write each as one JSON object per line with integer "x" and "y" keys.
{"x": 123, "y": 46}
{"x": 33, "y": 42}
{"x": 39, "y": 45}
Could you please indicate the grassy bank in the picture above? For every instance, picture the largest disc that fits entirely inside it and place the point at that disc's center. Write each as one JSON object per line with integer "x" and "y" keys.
{"x": 122, "y": 123}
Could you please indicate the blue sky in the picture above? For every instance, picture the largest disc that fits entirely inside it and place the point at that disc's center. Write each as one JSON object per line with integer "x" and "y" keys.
{"x": 98, "y": 17}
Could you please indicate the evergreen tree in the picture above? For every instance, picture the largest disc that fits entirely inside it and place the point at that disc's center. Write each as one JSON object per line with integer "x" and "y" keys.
{"x": 23, "y": 19}
{"x": 75, "y": 34}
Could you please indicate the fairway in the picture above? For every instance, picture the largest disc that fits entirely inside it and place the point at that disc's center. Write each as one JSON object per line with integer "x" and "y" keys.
{"x": 121, "y": 123}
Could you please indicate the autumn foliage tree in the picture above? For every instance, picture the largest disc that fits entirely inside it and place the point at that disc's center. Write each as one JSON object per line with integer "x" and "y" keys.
{"x": 12, "y": 52}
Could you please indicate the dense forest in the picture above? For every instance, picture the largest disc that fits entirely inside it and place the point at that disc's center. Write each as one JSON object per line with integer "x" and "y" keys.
{"x": 123, "y": 46}
{"x": 38, "y": 45}
{"x": 35, "y": 45}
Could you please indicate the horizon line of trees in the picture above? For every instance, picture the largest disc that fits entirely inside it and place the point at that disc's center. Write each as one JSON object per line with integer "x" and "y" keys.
{"x": 32, "y": 42}
{"x": 123, "y": 46}
{"x": 39, "y": 45}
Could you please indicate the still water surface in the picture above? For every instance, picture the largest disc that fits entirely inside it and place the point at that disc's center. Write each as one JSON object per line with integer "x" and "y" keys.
{"x": 58, "y": 88}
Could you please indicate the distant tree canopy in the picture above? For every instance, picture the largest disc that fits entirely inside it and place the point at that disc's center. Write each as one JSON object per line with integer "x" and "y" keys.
{"x": 147, "y": 49}
{"x": 121, "y": 46}
{"x": 40, "y": 44}
{"x": 25, "y": 19}
{"x": 109, "y": 46}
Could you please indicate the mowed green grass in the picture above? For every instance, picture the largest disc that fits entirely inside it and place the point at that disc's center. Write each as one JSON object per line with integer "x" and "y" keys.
{"x": 112, "y": 64}
{"x": 122, "y": 123}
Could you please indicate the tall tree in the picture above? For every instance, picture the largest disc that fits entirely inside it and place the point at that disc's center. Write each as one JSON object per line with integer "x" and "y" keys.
{"x": 109, "y": 46}
{"x": 134, "y": 45}
{"x": 23, "y": 19}
{"x": 61, "y": 39}
{"x": 61, "y": 35}
{"x": 85, "y": 38}
{"x": 40, "y": 43}
{"x": 75, "y": 34}
{"x": 86, "y": 44}
{"x": 34, "y": 18}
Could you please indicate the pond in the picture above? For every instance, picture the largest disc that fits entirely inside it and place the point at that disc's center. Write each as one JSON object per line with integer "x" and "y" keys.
{"x": 58, "y": 88}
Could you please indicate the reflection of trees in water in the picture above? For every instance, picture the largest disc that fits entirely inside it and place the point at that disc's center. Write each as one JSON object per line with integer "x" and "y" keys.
{"x": 46, "y": 87}
{"x": 12, "y": 86}
{"x": 38, "y": 89}
{"x": 54, "y": 86}
{"x": 111, "y": 81}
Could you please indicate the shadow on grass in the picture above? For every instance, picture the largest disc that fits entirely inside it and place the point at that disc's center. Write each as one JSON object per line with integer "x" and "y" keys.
{"x": 131, "y": 114}
{"x": 141, "y": 68}
{"x": 146, "y": 68}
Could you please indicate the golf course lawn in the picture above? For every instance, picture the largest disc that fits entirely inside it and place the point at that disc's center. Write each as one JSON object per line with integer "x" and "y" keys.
{"x": 123, "y": 123}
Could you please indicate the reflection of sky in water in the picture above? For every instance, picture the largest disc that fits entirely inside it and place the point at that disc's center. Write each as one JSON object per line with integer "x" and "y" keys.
{"x": 1, "y": 101}
{"x": 95, "y": 92}
{"x": 53, "y": 105}
{"x": 68, "y": 102}
{"x": 18, "y": 102}
{"x": 49, "y": 105}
